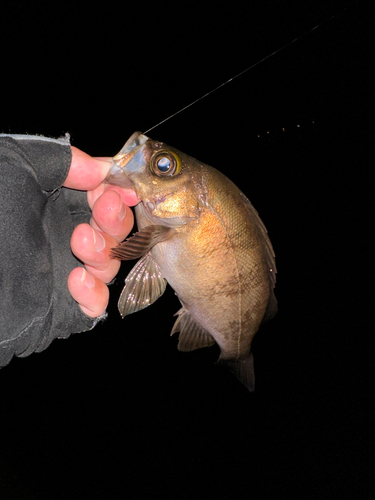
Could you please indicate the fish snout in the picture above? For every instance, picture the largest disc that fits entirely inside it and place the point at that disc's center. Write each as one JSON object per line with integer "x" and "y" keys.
{"x": 129, "y": 160}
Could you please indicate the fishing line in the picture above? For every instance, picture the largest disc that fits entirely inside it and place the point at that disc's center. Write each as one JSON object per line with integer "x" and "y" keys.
{"x": 247, "y": 69}
{"x": 234, "y": 77}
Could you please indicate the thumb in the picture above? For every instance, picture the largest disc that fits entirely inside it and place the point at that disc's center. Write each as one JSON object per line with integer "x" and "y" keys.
{"x": 86, "y": 172}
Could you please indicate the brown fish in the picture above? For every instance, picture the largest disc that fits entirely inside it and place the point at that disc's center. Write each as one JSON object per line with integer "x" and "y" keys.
{"x": 199, "y": 232}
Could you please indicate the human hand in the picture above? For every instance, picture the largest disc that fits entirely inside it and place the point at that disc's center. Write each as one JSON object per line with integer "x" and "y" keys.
{"x": 111, "y": 222}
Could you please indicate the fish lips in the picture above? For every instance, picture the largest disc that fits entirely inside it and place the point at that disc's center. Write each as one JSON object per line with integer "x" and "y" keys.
{"x": 130, "y": 159}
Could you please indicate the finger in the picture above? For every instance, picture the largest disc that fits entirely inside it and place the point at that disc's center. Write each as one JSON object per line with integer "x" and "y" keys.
{"x": 85, "y": 172}
{"x": 91, "y": 294}
{"x": 88, "y": 173}
{"x": 111, "y": 215}
{"x": 128, "y": 196}
{"x": 92, "y": 247}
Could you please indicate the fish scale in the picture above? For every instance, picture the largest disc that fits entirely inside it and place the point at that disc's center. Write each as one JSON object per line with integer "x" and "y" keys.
{"x": 199, "y": 232}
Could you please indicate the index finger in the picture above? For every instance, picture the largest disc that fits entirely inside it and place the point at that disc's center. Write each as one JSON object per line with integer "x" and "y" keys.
{"x": 111, "y": 215}
{"x": 128, "y": 196}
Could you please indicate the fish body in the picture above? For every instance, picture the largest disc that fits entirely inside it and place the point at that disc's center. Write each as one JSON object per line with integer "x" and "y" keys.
{"x": 201, "y": 234}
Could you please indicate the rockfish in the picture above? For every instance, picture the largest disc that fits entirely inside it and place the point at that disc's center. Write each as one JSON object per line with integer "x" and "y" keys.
{"x": 198, "y": 232}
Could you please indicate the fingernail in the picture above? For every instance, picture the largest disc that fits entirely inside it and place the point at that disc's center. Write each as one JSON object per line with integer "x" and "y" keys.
{"x": 122, "y": 211}
{"x": 99, "y": 241}
{"x": 87, "y": 279}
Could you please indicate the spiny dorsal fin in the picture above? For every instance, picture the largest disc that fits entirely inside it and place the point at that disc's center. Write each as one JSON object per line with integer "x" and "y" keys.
{"x": 192, "y": 336}
{"x": 141, "y": 242}
{"x": 267, "y": 245}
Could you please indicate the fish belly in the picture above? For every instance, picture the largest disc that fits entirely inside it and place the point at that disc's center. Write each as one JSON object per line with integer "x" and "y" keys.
{"x": 212, "y": 276}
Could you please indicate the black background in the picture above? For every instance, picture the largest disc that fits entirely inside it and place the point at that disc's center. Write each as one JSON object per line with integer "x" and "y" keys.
{"x": 118, "y": 412}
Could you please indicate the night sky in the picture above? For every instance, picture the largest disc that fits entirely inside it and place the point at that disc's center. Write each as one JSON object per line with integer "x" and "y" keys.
{"x": 118, "y": 412}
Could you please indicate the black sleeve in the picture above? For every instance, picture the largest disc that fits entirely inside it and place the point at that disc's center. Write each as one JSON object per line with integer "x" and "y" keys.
{"x": 36, "y": 223}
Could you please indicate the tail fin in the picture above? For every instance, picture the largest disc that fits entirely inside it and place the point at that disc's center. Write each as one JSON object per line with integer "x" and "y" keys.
{"x": 243, "y": 369}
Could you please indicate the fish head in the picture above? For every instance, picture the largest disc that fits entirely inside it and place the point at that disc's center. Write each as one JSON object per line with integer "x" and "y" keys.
{"x": 168, "y": 182}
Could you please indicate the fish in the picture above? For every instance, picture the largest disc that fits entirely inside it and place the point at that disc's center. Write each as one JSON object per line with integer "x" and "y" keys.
{"x": 200, "y": 234}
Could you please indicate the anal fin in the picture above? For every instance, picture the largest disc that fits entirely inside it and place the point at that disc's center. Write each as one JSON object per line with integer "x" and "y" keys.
{"x": 192, "y": 336}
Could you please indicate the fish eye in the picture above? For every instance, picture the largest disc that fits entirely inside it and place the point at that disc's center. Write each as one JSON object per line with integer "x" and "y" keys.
{"x": 166, "y": 163}
{"x": 163, "y": 164}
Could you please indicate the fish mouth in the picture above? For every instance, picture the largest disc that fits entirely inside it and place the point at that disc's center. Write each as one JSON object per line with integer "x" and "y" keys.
{"x": 130, "y": 159}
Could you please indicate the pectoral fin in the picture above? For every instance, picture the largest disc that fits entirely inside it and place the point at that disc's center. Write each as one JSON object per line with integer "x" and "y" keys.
{"x": 143, "y": 286}
{"x": 192, "y": 336}
{"x": 141, "y": 242}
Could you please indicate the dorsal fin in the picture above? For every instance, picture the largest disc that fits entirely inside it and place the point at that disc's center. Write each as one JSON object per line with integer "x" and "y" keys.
{"x": 271, "y": 309}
